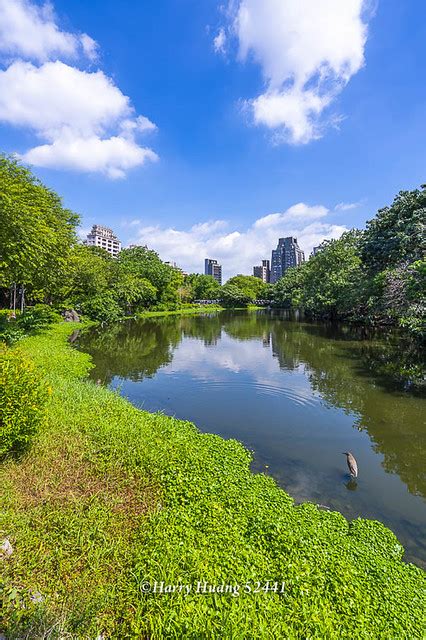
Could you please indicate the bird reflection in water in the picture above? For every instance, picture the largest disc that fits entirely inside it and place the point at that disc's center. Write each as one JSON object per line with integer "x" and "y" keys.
{"x": 351, "y": 485}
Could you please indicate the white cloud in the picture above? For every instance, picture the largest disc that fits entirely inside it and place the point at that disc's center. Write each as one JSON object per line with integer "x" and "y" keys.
{"x": 140, "y": 124}
{"x": 301, "y": 212}
{"x": 239, "y": 250}
{"x": 55, "y": 96}
{"x": 85, "y": 123}
{"x": 90, "y": 47}
{"x": 219, "y": 42}
{"x": 30, "y": 31}
{"x": 308, "y": 50}
{"x": 112, "y": 156}
{"x": 346, "y": 206}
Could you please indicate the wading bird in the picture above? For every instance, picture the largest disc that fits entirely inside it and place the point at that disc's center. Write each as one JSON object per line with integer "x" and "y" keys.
{"x": 352, "y": 465}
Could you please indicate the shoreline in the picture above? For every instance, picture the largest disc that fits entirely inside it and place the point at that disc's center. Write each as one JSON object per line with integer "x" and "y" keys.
{"x": 112, "y": 497}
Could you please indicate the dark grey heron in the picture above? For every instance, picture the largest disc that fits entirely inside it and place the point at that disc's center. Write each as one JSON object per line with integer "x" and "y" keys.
{"x": 352, "y": 465}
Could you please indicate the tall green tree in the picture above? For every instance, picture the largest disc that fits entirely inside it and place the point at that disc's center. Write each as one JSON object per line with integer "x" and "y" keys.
{"x": 253, "y": 288}
{"x": 328, "y": 284}
{"x": 396, "y": 235}
{"x": 146, "y": 264}
{"x": 88, "y": 272}
{"x": 232, "y": 296}
{"x": 36, "y": 232}
{"x": 203, "y": 287}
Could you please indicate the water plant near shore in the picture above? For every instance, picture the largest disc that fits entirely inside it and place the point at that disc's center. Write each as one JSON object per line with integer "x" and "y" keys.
{"x": 111, "y": 500}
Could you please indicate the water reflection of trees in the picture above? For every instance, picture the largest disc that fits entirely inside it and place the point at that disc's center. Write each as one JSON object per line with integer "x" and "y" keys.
{"x": 361, "y": 374}
{"x": 351, "y": 370}
{"x": 132, "y": 350}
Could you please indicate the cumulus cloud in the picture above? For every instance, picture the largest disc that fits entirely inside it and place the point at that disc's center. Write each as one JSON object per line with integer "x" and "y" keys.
{"x": 238, "y": 250}
{"x": 112, "y": 156}
{"x": 83, "y": 120}
{"x": 30, "y": 31}
{"x": 307, "y": 50}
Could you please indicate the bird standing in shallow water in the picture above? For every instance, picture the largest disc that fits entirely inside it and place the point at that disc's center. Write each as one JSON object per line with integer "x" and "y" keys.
{"x": 352, "y": 465}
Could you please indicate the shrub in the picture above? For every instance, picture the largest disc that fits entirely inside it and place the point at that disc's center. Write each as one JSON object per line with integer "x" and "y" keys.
{"x": 38, "y": 317}
{"x": 13, "y": 329}
{"x": 102, "y": 307}
{"x": 23, "y": 399}
{"x": 10, "y": 331}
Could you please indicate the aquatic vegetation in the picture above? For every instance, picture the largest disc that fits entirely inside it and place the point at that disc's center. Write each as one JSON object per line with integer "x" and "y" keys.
{"x": 113, "y": 502}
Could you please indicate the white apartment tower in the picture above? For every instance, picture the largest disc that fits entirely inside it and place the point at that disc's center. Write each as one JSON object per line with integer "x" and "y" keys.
{"x": 105, "y": 238}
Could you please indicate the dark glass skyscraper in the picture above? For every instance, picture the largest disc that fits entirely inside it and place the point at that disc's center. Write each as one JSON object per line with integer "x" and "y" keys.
{"x": 287, "y": 254}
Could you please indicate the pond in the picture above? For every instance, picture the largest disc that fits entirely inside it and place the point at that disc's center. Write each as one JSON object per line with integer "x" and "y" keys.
{"x": 297, "y": 394}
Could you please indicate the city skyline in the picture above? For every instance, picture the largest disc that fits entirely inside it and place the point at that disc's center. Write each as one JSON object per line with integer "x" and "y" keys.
{"x": 159, "y": 120}
{"x": 288, "y": 254}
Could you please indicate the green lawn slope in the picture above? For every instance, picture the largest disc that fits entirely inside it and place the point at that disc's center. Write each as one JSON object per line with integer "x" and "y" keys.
{"x": 110, "y": 500}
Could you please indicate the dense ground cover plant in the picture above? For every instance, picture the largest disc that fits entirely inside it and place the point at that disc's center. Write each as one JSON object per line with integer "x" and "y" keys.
{"x": 110, "y": 499}
{"x": 23, "y": 398}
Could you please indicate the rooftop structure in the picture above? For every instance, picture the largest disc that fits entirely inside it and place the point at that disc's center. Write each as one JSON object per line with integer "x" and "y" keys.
{"x": 105, "y": 238}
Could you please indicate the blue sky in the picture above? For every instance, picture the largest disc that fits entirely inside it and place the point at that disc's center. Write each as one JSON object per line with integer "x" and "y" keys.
{"x": 268, "y": 114}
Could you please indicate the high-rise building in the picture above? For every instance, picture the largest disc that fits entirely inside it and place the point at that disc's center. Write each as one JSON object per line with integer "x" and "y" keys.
{"x": 287, "y": 254}
{"x": 315, "y": 250}
{"x": 105, "y": 238}
{"x": 263, "y": 271}
{"x": 212, "y": 268}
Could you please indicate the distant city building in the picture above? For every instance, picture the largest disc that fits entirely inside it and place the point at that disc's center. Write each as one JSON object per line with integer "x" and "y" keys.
{"x": 263, "y": 271}
{"x": 315, "y": 250}
{"x": 287, "y": 254}
{"x": 105, "y": 238}
{"x": 174, "y": 265}
{"x": 212, "y": 268}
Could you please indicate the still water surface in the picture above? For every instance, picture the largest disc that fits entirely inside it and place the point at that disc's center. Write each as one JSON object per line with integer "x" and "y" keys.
{"x": 297, "y": 394}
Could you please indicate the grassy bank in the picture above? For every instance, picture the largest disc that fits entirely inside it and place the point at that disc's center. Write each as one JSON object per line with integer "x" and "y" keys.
{"x": 211, "y": 308}
{"x": 181, "y": 312}
{"x": 111, "y": 499}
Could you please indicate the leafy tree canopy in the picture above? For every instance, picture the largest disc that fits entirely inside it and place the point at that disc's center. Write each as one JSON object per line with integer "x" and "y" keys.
{"x": 203, "y": 287}
{"x": 36, "y": 231}
{"x": 397, "y": 233}
{"x": 232, "y": 296}
{"x": 252, "y": 287}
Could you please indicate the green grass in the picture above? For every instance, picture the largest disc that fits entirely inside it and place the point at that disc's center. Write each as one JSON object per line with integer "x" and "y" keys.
{"x": 110, "y": 497}
{"x": 183, "y": 311}
{"x": 194, "y": 310}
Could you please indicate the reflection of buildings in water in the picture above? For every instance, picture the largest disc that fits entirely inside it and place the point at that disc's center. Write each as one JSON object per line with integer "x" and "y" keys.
{"x": 266, "y": 339}
{"x": 285, "y": 359}
{"x": 211, "y": 342}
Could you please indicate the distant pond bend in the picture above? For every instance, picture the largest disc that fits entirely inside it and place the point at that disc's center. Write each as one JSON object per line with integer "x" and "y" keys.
{"x": 297, "y": 394}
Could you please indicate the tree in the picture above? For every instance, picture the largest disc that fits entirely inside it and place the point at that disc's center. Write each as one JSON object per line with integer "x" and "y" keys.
{"x": 87, "y": 273}
{"x": 203, "y": 287}
{"x": 253, "y": 288}
{"x": 288, "y": 292}
{"x": 328, "y": 284}
{"x": 232, "y": 296}
{"x": 36, "y": 232}
{"x": 333, "y": 276}
{"x": 132, "y": 292}
{"x": 396, "y": 235}
{"x": 145, "y": 264}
